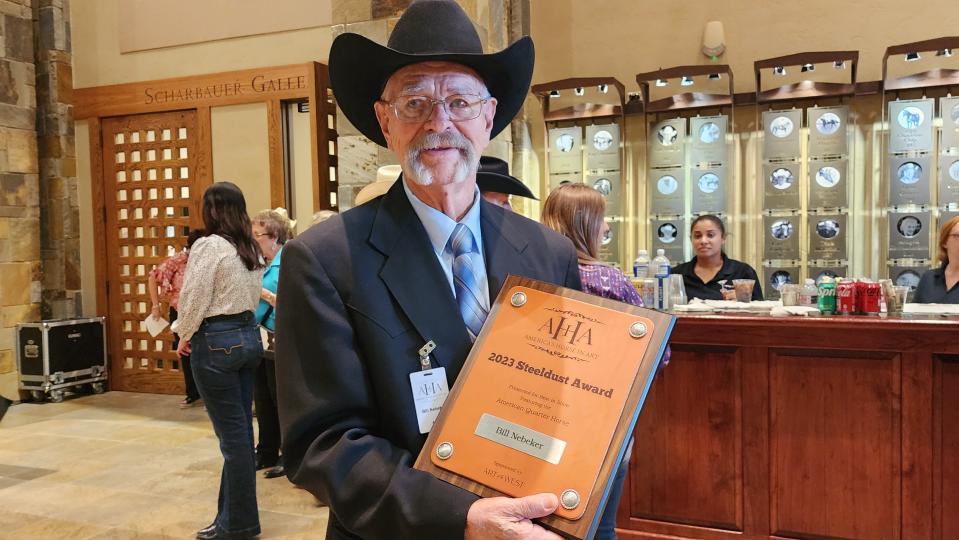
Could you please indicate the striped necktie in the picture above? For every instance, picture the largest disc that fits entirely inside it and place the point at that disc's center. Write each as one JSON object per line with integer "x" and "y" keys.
{"x": 461, "y": 244}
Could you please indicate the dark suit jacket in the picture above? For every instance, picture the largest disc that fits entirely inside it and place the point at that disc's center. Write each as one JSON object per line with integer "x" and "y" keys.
{"x": 359, "y": 295}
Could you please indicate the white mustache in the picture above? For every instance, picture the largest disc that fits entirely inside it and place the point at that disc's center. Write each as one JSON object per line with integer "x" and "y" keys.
{"x": 447, "y": 139}
{"x": 420, "y": 174}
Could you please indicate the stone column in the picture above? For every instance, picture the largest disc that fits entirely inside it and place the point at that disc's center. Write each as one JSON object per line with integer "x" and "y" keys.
{"x": 59, "y": 207}
{"x": 20, "y": 267}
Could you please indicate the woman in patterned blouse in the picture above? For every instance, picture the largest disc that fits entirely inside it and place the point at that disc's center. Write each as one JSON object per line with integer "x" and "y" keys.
{"x": 217, "y": 329}
{"x": 165, "y": 282}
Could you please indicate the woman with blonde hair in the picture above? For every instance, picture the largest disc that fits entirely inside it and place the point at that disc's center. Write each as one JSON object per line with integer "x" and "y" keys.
{"x": 939, "y": 285}
{"x": 271, "y": 230}
{"x": 576, "y": 211}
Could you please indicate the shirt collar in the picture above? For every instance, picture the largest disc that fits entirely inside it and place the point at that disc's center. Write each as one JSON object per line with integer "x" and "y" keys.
{"x": 276, "y": 258}
{"x": 726, "y": 270}
{"x": 439, "y": 227}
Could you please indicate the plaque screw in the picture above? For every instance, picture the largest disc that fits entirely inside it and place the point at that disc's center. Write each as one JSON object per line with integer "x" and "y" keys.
{"x": 444, "y": 450}
{"x": 637, "y": 330}
{"x": 569, "y": 499}
{"x": 518, "y": 299}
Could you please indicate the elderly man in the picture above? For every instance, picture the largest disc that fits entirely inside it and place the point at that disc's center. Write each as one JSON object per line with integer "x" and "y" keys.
{"x": 362, "y": 292}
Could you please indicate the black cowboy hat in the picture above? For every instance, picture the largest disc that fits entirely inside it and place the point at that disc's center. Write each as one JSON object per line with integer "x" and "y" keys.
{"x": 429, "y": 30}
{"x": 493, "y": 175}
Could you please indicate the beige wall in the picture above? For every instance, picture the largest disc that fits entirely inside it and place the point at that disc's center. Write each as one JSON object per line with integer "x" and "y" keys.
{"x": 625, "y": 37}
{"x": 150, "y": 25}
{"x": 97, "y": 59}
{"x": 85, "y": 195}
{"x": 241, "y": 151}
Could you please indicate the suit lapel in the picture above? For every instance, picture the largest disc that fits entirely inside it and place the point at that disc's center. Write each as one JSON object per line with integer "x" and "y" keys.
{"x": 503, "y": 245}
{"x": 416, "y": 280}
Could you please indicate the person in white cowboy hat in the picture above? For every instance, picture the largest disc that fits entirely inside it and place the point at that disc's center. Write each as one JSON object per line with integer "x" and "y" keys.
{"x": 365, "y": 290}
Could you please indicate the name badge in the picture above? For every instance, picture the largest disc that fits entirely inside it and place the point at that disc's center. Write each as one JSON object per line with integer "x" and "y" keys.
{"x": 430, "y": 389}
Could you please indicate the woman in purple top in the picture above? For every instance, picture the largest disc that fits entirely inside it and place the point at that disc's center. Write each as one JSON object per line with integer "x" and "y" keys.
{"x": 576, "y": 211}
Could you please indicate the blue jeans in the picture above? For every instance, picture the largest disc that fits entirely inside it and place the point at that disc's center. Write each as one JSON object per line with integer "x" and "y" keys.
{"x": 224, "y": 356}
{"x": 607, "y": 523}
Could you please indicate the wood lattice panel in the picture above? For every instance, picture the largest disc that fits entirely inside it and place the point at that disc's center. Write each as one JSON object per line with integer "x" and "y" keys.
{"x": 152, "y": 199}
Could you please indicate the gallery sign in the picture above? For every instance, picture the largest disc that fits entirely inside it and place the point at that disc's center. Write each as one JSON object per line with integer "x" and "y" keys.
{"x": 213, "y": 90}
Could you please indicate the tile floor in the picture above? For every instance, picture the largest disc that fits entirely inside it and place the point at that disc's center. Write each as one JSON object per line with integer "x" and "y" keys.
{"x": 123, "y": 465}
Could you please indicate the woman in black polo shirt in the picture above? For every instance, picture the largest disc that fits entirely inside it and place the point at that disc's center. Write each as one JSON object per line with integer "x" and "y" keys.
{"x": 939, "y": 285}
{"x": 710, "y": 265}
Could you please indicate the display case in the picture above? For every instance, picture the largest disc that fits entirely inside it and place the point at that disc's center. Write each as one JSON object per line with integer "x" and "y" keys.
{"x": 921, "y": 153}
{"x": 585, "y": 130}
{"x": 807, "y": 145}
{"x": 690, "y": 171}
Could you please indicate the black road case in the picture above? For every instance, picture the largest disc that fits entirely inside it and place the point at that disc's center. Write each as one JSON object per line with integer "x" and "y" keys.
{"x": 59, "y": 354}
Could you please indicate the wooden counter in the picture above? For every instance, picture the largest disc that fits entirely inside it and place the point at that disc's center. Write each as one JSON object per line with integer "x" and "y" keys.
{"x": 762, "y": 427}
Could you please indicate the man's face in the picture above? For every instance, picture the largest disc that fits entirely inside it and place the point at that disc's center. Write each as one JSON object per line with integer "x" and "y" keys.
{"x": 438, "y": 150}
{"x": 499, "y": 199}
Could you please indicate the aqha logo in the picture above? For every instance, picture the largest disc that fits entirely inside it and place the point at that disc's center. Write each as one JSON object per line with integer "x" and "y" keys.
{"x": 572, "y": 332}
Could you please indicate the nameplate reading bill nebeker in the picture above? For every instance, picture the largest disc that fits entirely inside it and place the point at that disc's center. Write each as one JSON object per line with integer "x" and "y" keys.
{"x": 547, "y": 399}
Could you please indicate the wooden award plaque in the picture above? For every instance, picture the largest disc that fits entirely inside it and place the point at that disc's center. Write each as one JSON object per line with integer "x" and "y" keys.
{"x": 547, "y": 400}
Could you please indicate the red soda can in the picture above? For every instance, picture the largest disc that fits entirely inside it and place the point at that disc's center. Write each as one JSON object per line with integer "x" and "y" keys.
{"x": 846, "y": 297}
{"x": 871, "y": 297}
{"x": 860, "y": 296}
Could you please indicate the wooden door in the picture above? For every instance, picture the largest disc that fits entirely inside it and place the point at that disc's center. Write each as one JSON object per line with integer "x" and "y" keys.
{"x": 152, "y": 196}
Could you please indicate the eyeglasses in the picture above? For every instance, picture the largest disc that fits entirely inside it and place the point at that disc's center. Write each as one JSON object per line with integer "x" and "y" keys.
{"x": 459, "y": 107}
{"x": 257, "y": 235}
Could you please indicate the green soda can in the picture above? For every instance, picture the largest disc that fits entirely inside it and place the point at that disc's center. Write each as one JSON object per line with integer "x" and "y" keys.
{"x": 827, "y": 296}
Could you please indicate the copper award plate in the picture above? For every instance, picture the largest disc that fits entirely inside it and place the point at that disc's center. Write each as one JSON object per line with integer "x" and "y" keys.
{"x": 547, "y": 400}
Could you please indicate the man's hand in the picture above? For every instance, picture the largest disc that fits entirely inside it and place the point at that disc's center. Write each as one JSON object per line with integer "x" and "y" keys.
{"x": 502, "y": 517}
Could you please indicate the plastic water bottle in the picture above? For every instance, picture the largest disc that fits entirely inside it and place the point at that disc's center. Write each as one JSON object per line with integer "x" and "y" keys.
{"x": 661, "y": 269}
{"x": 641, "y": 265}
{"x": 809, "y": 296}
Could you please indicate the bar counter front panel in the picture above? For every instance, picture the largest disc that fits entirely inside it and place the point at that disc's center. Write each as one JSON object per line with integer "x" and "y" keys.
{"x": 763, "y": 427}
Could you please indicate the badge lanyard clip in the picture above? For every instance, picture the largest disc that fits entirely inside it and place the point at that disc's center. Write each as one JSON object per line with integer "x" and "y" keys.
{"x": 425, "y": 351}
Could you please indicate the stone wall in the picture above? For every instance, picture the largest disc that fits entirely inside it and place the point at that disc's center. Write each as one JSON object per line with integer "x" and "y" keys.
{"x": 20, "y": 266}
{"x": 59, "y": 207}
{"x": 359, "y": 158}
{"x": 39, "y": 210}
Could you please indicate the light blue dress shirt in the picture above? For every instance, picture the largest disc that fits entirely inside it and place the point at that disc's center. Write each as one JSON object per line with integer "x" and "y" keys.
{"x": 439, "y": 227}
